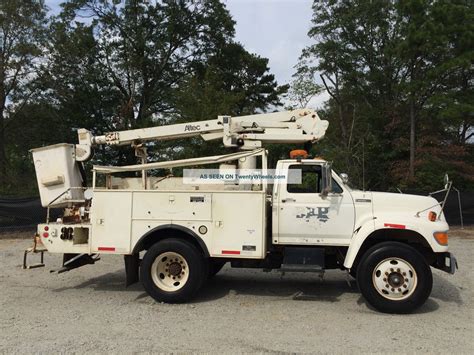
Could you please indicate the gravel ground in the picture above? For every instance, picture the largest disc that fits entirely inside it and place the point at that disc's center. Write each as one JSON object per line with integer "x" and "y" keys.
{"x": 89, "y": 309}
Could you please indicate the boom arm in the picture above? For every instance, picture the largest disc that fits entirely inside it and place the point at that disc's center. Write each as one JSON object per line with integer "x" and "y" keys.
{"x": 244, "y": 132}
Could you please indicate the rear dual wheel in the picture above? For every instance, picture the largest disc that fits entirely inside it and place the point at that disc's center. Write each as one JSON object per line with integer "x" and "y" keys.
{"x": 173, "y": 271}
{"x": 394, "y": 278}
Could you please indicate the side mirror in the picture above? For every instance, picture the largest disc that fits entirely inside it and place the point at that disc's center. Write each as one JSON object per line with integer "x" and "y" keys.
{"x": 446, "y": 181}
{"x": 344, "y": 177}
{"x": 326, "y": 180}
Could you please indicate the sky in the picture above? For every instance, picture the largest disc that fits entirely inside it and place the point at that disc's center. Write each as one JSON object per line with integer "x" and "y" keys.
{"x": 274, "y": 29}
{"x": 277, "y": 30}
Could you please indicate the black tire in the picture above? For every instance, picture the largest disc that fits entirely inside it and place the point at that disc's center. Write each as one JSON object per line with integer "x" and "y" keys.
{"x": 195, "y": 270}
{"x": 397, "y": 254}
{"x": 215, "y": 265}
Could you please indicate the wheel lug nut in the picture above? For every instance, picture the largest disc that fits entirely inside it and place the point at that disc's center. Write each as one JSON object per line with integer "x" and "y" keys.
{"x": 399, "y": 290}
{"x": 404, "y": 274}
{"x": 393, "y": 289}
{"x": 386, "y": 273}
{"x": 387, "y": 286}
{"x": 398, "y": 270}
{"x": 406, "y": 280}
{"x": 405, "y": 285}
{"x": 391, "y": 269}
{"x": 385, "y": 279}
{"x": 174, "y": 278}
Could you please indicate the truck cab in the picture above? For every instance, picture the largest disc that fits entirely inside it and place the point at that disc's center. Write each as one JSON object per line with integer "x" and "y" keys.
{"x": 313, "y": 212}
{"x": 323, "y": 210}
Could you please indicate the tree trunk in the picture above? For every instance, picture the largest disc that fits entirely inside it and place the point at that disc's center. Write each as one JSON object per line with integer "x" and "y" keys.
{"x": 342, "y": 125}
{"x": 3, "y": 155}
{"x": 412, "y": 139}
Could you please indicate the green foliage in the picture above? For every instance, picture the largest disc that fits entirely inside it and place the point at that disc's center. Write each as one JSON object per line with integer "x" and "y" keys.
{"x": 136, "y": 64}
{"x": 22, "y": 28}
{"x": 399, "y": 74}
{"x": 400, "y": 79}
{"x": 303, "y": 88}
{"x": 232, "y": 82}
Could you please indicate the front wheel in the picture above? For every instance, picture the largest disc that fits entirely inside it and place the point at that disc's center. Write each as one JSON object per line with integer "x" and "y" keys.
{"x": 394, "y": 278}
{"x": 172, "y": 271}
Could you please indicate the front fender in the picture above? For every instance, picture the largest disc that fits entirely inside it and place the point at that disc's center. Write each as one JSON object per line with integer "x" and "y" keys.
{"x": 357, "y": 240}
{"x": 420, "y": 226}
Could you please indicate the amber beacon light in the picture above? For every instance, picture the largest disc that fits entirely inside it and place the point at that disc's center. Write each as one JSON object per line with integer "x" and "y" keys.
{"x": 298, "y": 153}
{"x": 441, "y": 237}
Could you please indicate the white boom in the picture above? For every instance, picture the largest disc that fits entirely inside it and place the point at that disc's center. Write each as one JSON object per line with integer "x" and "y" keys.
{"x": 244, "y": 132}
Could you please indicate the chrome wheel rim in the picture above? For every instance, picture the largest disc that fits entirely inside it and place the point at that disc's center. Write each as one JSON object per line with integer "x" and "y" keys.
{"x": 394, "y": 279}
{"x": 170, "y": 271}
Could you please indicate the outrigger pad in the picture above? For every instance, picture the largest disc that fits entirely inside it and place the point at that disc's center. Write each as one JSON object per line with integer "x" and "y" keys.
{"x": 37, "y": 247}
{"x": 73, "y": 261}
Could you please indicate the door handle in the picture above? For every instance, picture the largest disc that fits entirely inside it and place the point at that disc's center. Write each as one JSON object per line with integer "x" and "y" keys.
{"x": 288, "y": 200}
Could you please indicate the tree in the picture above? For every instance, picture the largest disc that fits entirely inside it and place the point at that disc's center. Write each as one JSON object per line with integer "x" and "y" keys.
{"x": 303, "y": 87}
{"x": 22, "y": 25}
{"x": 144, "y": 49}
{"x": 122, "y": 68}
{"x": 425, "y": 34}
{"x": 231, "y": 82}
{"x": 240, "y": 77}
{"x": 145, "y": 64}
{"x": 388, "y": 70}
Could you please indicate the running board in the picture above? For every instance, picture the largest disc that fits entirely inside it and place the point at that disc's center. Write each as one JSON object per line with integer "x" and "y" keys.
{"x": 301, "y": 268}
{"x": 73, "y": 261}
{"x": 303, "y": 259}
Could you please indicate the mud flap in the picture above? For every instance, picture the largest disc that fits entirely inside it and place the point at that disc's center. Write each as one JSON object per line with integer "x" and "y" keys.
{"x": 132, "y": 263}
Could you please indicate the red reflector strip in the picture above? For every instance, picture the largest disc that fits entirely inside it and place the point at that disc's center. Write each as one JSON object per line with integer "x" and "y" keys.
{"x": 233, "y": 252}
{"x": 106, "y": 248}
{"x": 391, "y": 225}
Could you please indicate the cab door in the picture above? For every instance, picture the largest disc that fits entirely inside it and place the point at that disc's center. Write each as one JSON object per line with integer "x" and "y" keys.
{"x": 305, "y": 216}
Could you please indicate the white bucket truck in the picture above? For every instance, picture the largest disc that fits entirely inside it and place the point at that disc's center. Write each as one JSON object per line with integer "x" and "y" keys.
{"x": 174, "y": 235}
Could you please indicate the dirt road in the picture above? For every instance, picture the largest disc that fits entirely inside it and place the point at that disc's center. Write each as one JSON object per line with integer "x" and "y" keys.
{"x": 89, "y": 309}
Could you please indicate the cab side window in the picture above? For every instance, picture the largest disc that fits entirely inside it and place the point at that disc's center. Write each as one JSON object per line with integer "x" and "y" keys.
{"x": 311, "y": 180}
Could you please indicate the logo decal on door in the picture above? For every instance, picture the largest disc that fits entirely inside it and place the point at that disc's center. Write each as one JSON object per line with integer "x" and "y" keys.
{"x": 321, "y": 214}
